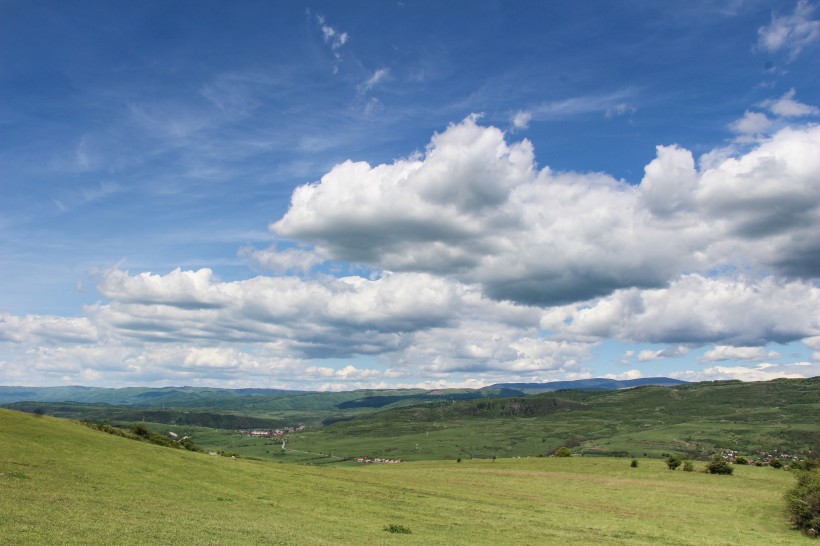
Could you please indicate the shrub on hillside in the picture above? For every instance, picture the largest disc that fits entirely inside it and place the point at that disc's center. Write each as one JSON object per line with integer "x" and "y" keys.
{"x": 741, "y": 460}
{"x": 634, "y": 463}
{"x": 116, "y": 431}
{"x": 189, "y": 444}
{"x": 807, "y": 464}
{"x": 688, "y": 467}
{"x": 140, "y": 430}
{"x": 673, "y": 462}
{"x": 400, "y": 529}
{"x": 803, "y": 503}
{"x": 562, "y": 452}
{"x": 776, "y": 463}
{"x": 719, "y": 465}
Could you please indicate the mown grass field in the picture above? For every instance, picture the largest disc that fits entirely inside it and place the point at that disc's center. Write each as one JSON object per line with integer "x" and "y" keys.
{"x": 62, "y": 483}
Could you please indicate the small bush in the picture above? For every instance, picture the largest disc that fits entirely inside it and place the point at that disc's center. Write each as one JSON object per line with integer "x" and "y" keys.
{"x": 803, "y": 503}
{"x": 189, "y": 444}
{"x": 673, "y": 462}
{"x": 741, "y": 460}
{"x": 140, "y": 430}
{"x": 688, "y": 467}
{"x": 719, "y": 465}
{"x": 776, "y": 463}
{"x": 634, "y": 463}
{"x": 562, "y": 452}
{"x": 401, "y": 529}
{"x": 807, "y": 464}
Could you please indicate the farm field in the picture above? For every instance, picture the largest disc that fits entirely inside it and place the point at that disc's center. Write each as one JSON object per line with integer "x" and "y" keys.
{"x": 61, "y": 482}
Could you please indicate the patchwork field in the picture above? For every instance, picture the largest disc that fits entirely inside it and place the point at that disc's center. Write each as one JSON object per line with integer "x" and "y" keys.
{"x": 62, "y": 483}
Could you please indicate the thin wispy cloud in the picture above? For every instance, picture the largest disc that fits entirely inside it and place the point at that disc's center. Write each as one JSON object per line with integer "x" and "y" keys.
{"x": 791, "y": 32}
{"x": 610, "y": 104}
{"x": 379, "y": 75}
{"x": 334, "y": 38}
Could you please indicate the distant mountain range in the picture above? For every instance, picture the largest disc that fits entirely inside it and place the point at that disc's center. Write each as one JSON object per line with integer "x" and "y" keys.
{"x": 210, "y": 397}
{"x": 130, "y": 396}
{"x": 590, "y": 384}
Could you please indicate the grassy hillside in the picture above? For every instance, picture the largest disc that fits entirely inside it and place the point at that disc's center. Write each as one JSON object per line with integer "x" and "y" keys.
{"x": 221, "y": 408}
{"x": 692, "y": 420}
{"x": 62, "y": 483}
{"x": 256, "y": 400}
{"x": 103, "y": 413}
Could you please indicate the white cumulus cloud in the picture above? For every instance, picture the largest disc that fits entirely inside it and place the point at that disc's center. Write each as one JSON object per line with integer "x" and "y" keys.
{"x": 727, "y": 352}
{"x": 761, "y": 372}
{"x": 697, "y": 310}
{"x": 476, "y": 208}
{"x": 648, "y": 355}
{"x": 752, "y": 123}
{"x": 787, "y": 107}
{"x": 521, "y": 120}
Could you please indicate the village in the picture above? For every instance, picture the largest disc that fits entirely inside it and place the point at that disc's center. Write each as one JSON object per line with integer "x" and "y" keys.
{"x": 775, "y": 458}
{"x": 271, "y": 433}
{"x": 377, "y": 460}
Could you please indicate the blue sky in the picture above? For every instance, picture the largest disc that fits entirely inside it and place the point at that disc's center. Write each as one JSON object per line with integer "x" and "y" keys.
{"x": 335, "y": 195}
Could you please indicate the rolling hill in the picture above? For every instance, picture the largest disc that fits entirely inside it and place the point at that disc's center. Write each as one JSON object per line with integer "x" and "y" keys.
{"x": 693, "y": 420}
{"x": 63, "y": 483}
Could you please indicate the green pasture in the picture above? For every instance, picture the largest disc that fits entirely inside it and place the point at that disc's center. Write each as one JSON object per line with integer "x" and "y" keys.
{"x": 62, "y": 483}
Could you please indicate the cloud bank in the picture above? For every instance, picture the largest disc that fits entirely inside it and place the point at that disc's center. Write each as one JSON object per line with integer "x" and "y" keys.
{"x": 481, "y": 265}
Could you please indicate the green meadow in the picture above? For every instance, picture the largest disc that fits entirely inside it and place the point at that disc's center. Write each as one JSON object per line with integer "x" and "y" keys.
{"x": 63, "y": 483}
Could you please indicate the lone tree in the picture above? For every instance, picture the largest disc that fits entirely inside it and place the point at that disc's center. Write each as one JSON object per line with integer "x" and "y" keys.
{"x": 673, "y": 462}
{"x": 562, "y": 452}
{"x": 803, "y": 503}
{"x": 719, "y": 465}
